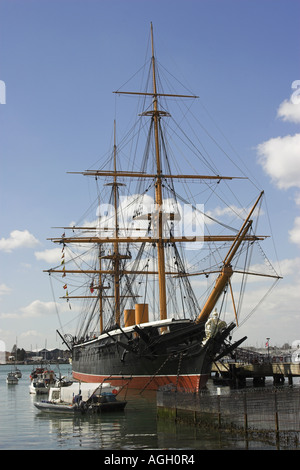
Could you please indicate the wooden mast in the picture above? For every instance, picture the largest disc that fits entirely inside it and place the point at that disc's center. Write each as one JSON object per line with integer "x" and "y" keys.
{"x": 116, "y": 245}
{"x": 158, "y": 199}
{"x": 227, "y": 270}
{"x": 100, "y": 292}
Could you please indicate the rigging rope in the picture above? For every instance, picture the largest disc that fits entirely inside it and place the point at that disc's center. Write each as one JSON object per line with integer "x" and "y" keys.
{"x": 259, "y": 303}
{"x": 55, "y": 303}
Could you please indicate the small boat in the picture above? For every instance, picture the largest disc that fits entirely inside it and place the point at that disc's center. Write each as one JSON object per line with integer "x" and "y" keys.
{"x": 84, "y": 398}
{"x": 38, "y": 387}
{"x": 36, "y": 372}
{"x": 41, "y": 381}
{"x": 11, "y": 379}
{"x": 18, "y": 373}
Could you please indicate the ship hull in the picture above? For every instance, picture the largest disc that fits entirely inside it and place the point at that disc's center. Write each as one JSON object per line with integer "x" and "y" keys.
{"x": 145, "y": 359}
{"x": 147, "y": 382}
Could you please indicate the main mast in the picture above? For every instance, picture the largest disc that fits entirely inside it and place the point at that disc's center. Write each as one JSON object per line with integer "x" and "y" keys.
{"x": 158, "y": 198}
{"x": 116, "y": 245}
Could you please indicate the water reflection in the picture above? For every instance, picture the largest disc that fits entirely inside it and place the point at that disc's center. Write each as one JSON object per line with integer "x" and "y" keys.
{"x": 133, "y": 428}
{"x": 92, "y": 432}
{"x": 22, "y": 426}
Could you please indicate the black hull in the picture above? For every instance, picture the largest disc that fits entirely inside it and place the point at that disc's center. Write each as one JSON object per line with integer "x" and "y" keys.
{"x": 145, "y": 359}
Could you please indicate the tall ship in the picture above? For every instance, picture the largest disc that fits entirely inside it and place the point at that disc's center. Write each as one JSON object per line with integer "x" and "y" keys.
{"x": 153, "y": 267}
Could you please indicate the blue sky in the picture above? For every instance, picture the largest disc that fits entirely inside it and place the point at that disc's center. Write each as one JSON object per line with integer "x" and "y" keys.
{"x": 60, "y": 60}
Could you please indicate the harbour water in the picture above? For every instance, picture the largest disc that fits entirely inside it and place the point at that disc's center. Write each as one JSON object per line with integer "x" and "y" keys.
{"x": 23, "y": 427}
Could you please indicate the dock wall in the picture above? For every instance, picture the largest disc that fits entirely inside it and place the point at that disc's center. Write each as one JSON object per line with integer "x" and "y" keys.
{"x": 264, "y": 413}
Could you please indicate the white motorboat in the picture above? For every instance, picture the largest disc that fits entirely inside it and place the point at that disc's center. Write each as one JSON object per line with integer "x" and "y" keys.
{"x": 82, "y": 398}
{"x": 38, "y": 387}
{"x": 11, "y": 379}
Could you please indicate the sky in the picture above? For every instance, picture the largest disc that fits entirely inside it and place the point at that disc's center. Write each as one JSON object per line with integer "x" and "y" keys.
{"x": 60, "y": 61}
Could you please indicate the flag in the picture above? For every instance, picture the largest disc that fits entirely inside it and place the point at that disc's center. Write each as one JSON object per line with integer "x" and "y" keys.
{"x": 267, "y": 344}
{"x": 92, "y": 287}
{"x": 65, "y": 286}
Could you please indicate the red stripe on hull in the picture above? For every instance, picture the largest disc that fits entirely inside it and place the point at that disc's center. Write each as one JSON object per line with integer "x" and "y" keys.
{"x": 188, "y": 382}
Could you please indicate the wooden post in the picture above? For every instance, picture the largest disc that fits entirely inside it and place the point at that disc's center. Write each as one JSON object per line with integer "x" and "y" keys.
{"x": 219, "y": 411}
{"x": 245, "y": 414}
{"x": 276, "y": 417}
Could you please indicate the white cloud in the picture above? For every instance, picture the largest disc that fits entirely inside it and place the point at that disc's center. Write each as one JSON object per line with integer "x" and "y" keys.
{"x": 275, "y": 317}
{"x": 295, "y": 232}
{"x": 30, "y": 333}
{"x": 18, "y": 239}
{"x": 50, "y": 256}
{"x": 297, "y": 199}
{"x": 290, "y": 266}
{"x": 280, "y": 159}
{"x": 230, "y": 211}
{"x": 280, "y": 156}
{"x": 38, "y": 308}
{"x": 289, "y": 111}
{"x": 9, "y": 315}
{"x": 4, "y": 289}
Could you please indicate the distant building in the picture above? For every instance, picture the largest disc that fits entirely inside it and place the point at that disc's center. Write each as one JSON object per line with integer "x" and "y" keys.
{"x": 48, "y": 355}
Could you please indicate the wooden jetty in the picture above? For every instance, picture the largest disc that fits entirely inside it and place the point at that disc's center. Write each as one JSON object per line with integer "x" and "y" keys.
{"x": 238, "y": 372}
